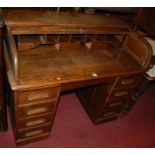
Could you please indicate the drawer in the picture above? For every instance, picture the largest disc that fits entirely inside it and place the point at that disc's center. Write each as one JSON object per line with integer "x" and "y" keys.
{"x": 25, "y": 134}
{"x": 33, "y": 139}
{"x": 35, "y": 121}
{"x": 127, "y": 81}
{"x": 116, "y": 104}
{"x": 32, "y": 109}
{"x": 37, "y": 95}
{"x": 121, "y": 93}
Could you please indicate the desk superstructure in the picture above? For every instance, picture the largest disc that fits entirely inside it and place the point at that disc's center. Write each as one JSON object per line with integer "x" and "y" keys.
{"x": 46, "y": 53}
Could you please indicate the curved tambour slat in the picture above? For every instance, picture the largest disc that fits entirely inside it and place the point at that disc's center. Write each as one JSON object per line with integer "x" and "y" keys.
{"x": 139, "y": 49}
{"x": 13, "y": 53}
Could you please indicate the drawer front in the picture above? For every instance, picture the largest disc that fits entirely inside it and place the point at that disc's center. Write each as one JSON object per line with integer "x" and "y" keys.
{"x": 26, "y": 97}
{"x": 127, "y": 81}
{"x": 35, "y": 121}
{"x": 33, "y": 109}
{"x": 23, "y": 141}
{"x": 121, "y": 93}
{"x": 33, "y": 132}
{"x": 115, "y": 105}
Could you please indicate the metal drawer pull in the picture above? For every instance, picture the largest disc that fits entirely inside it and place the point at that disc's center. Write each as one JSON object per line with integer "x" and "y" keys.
{"x": 109, "y": 113}
{"x": 121, "y": 93}
{"x": 35, "y": 122}
{"x": 104, "y": 118}
{"x": 38, "y": 96}
{"x": 115, "y": 104}
{"x": 111, "y": 116}
{"x": 38, "y": 110}
{"x": 127, "y": 82}
{"x": 33, "y": 133}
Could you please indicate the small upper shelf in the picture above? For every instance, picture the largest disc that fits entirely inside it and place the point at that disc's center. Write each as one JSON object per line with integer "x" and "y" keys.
{"x": 35, "y": 21}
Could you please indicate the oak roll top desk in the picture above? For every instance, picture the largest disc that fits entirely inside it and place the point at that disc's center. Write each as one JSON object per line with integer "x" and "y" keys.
{"x": 46, "y": 53}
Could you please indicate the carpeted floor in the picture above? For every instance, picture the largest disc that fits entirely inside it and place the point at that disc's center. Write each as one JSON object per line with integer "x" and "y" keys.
{"x": 73, "y": 128}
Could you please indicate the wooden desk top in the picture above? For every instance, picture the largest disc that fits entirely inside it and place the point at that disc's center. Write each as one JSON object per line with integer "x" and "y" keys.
{"x": 47, "y": 66}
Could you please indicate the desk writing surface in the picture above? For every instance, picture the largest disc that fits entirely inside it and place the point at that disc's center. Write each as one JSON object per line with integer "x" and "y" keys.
{"x": 45, "y": 65}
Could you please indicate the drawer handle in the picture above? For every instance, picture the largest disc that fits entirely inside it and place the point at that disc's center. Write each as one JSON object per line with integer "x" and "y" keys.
{"x": 115, "y": 104}
{"x": 121, "y": 93}
{"x": 38, "y": 110}
{"x": 109, "y": 113}
{"x": 33, "y": 133}
{"x": 110, "y": 116}
{"x": 35, "y": 122}
{"x": 125, "y": 82}
{"x": 38, "y": 96}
